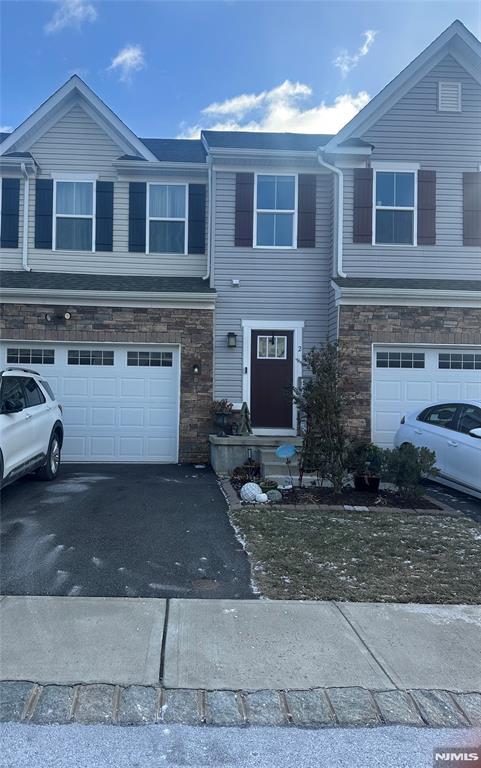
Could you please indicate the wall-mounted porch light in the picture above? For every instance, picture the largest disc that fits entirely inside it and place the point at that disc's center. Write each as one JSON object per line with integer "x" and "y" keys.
{"x": 232, "y": 339}
{"x": 196, "y": 369}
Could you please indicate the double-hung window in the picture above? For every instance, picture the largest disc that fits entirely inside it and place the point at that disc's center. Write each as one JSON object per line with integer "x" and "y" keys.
{"x": 275, "y": 211}
{"x": 167, "y": 218}
{"x": 73, "y": 221}
{"x": 395, "y": 207}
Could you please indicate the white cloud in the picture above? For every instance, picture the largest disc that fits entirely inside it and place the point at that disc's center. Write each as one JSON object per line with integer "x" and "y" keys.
{"x": 346, "y": 61}
{"x": 6, "y": 129}
{"x": 279, "y": 109}
{"x": 71, "y": 13}
{"x": 128, "y": 60}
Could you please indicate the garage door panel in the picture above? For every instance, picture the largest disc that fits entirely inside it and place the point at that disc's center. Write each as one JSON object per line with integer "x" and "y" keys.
{"x": 133, "y": 388}
{"x": 131, "y": 446}
{"x": 158, "y": 446}
{"x": 103, "y": 417}
{"x": 104, "y": 387}
{"x": 388, "y": 390}
{"x": 74, "y": 387}
{"x": 449, "y": 391}
{"x": 397, "y": 391}
{"x": 102, "y": 447}
{"x": 114, "y": 412}
{"x": 417, "y": 391}
{"x": 74, "y": 416}
{"x": 131, "y": 417}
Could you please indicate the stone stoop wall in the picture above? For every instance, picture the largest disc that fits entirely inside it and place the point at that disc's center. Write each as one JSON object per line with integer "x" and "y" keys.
{"x": 361, "y": 326}
{"x": 191, "y": 328}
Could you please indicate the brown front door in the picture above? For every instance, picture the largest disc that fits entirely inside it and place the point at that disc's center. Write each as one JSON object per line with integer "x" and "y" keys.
{"x": 271, "y": 379}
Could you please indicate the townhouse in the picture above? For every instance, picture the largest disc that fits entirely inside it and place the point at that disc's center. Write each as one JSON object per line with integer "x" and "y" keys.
{"x": 147, "y": 277}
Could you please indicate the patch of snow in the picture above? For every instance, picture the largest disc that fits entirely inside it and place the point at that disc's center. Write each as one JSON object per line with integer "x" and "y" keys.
{"x": 97, "y": 562}
{"x": 75, "y": 591}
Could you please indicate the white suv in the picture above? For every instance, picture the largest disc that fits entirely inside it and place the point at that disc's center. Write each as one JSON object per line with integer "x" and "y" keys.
{"x": 31, "y": 429}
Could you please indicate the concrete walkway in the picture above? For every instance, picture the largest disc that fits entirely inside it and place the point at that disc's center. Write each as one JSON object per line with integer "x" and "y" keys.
{"x": 240, "y": 644}
{"x": 238, "y": 662}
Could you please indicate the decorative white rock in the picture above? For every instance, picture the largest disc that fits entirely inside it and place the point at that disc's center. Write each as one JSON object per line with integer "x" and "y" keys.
{"x": 261, "y": 498}
{"x": 250, "y": 491}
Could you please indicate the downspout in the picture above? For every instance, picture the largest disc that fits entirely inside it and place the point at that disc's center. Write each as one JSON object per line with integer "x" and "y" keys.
{"x": 339, "y": 210}
{"x": 26, "y": 191}
{"x": 210, "y": 237}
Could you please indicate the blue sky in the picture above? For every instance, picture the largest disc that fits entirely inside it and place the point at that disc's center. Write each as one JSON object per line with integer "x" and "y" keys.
{"x": 169, "y": 68}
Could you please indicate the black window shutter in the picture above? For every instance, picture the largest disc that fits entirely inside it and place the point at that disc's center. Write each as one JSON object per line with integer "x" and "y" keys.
{"x": 426, "y": 207}
{"x": 43, "y": 213}
{"x": 244, "y": 209}
{"x": 196, "y": 231}
{"x": 137, "y": 214}
{"x": 306, "y": 210}
{"x": 362, "y": 223}
{"x": 10, "y": 205}
{"x": 104, "y": 215}
{"x": 472, "y": 208}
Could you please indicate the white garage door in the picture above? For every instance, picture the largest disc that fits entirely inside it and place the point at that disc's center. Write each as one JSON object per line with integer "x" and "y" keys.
{"x": 406, "y": 378}
{"x": 120, "y": 403}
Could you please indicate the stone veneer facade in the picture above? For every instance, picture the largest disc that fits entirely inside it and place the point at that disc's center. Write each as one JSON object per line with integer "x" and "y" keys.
{"x": 191, "y": 328}
{"x": 361, "y": 326}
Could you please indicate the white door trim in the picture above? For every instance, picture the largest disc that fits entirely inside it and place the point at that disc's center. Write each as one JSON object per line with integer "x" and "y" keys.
{"x": 282, "y": 325}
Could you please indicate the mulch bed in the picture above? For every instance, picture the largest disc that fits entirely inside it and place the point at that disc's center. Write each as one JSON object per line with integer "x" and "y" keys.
{"x": 349, "y": 497}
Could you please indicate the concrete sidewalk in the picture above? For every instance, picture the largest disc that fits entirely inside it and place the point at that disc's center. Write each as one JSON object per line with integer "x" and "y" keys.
{"x": 240, "y": 644}
{"x": 238, "y": 662}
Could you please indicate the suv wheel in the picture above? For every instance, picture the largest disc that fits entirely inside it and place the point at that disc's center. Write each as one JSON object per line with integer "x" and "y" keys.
{"x": 50, "y": 469}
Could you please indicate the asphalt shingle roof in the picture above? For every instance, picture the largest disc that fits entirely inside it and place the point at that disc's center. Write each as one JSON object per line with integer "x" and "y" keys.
{"x": 255, "y": 140}
{"x": 414, "y": 283}
{"x": 83, "y": 282}
{"x": 177, "y": 150}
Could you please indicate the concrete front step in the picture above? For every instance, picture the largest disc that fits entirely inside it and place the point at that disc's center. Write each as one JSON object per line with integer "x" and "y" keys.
{"x": 273, "y": 467}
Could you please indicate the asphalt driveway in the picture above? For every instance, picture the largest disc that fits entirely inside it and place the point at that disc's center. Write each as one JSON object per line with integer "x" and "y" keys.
{"x": 121, "y": 531}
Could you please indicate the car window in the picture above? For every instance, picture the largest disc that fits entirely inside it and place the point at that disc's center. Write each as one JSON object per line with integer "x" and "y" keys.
{"x": 442, "y": 416}
{"x": 48, "y": 389}
{"x": 470, "y": 418}
{"x": 12, "y": 389}
{"x": 33, "y": 393}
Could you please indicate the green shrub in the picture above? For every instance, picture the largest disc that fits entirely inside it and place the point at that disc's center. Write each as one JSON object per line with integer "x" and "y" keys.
{"x": 406, "y": 466}
{"x": 365, "y": 460}
{"x": 322, "y": 404}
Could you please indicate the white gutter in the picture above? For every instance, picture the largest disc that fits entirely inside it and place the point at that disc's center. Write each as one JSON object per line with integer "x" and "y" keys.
{"x": 26, "y": 191}
{"x": 339, "y": 211}
{"x": 210, "y": 238}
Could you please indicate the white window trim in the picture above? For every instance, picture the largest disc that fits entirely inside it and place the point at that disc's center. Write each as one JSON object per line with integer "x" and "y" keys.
{"x": 268, "y": 325}
{"x": 149, "y": 218}
{"x": 275, "y": 210}
{"x": 378, "y": 168}
{"x": 459, "y": 89}
{"x": 276, "y": 356}
{"x": 69, "y": 177}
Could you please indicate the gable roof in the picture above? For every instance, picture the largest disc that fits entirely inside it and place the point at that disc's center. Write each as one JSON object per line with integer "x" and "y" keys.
{"x": 293, "y": 142}
{"x": 96, "y": 107}
{"x": 456, "y": 40}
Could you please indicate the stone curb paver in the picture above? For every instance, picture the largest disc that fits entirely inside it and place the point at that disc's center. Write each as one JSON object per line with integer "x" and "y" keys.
{"x": 318, "y": 707}
{"x": 353, "y": 706}
{"x": 438, "y": 708}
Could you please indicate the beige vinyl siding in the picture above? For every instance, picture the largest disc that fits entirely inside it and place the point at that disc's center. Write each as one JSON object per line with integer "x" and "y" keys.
{"x": 11, "y": 258}
{"x": 446, "y": 142}
{"x": 77, "y": 144}
{"x": 275, "y": 285}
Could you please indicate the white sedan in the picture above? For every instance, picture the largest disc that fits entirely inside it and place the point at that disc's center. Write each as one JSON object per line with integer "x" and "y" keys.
{"x": 453, "y": 431}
